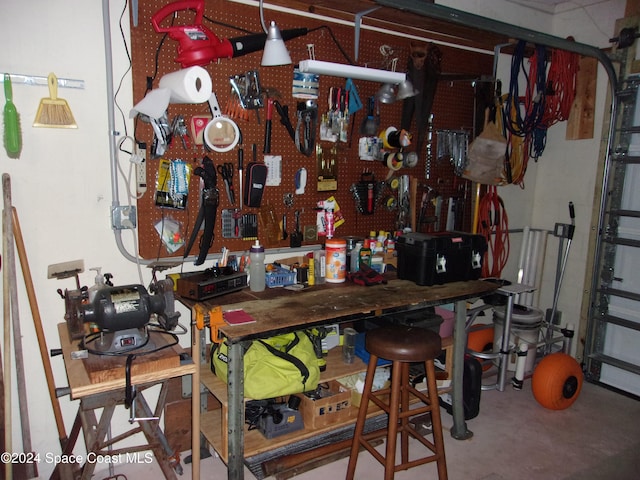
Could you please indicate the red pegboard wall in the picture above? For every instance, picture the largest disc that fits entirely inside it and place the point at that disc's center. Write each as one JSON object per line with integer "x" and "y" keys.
{"x": 453, "y": 109}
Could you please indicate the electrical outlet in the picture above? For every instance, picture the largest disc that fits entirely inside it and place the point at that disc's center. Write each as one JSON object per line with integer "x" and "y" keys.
{"x": 141, "y": 170}
{"x": 123, "y": 217}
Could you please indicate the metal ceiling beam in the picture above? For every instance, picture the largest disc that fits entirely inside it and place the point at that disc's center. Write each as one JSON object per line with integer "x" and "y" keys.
{"x": 459, "y": 17}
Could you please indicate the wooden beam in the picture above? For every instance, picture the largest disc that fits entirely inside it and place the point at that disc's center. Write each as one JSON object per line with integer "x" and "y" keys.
{"x": 581, "y": 119}
{"x": 632, "y": 8}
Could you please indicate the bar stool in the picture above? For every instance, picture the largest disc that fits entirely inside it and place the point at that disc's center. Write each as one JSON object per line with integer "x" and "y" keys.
{"x": 401, "y": 345}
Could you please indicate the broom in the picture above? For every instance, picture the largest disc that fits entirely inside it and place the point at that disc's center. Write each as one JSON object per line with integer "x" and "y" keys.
{"x": 54, "y": 111}
{"x": 12, "y": 138}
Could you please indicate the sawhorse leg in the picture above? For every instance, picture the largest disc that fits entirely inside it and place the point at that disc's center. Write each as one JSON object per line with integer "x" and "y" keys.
{"x": 95, "y": 432}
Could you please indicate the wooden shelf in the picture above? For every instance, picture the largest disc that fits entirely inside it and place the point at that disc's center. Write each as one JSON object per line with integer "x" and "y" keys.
{"x": 213, "y": 424}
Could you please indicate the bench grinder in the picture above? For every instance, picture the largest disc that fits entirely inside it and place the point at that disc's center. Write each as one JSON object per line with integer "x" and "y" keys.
{"x": 120, "y": 315}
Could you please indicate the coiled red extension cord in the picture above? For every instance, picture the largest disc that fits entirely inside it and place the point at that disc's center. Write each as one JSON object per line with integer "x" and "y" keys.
{"x": 493, "y": 224}
{"x": 561, "y": 85}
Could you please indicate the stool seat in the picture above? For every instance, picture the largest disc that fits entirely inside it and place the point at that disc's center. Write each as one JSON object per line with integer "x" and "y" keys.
{"x": 403, "y": 343}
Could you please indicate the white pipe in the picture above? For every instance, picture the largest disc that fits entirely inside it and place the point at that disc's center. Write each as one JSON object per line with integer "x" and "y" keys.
{"x": 530, "y": 266}
{"x": 544, "y": 235}
{"x": 113, "y": 155}
{"x": 522, "y": 258}
{"x": 338, "y": 21}
{"x": 532, "y": 274}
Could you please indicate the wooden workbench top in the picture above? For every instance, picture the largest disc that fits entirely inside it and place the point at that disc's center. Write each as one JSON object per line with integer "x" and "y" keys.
{"x": 278, "y": 309}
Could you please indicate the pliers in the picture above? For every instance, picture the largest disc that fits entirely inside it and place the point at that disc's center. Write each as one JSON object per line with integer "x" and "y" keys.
{"x": 226, "y": 172}
{"x": 207, "y": 212}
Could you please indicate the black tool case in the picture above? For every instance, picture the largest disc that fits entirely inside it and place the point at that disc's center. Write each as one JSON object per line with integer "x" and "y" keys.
{"x": 430, "y": 259}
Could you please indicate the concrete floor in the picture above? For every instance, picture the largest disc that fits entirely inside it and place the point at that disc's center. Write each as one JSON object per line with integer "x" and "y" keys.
{"x": 598, "y": 437}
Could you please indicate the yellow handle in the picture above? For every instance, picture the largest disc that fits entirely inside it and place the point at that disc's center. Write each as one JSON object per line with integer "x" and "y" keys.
{"x": 476, "y": 209}
{"x": 53, "y": 86}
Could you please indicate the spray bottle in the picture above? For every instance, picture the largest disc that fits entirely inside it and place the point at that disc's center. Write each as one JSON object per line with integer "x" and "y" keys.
{"x": 99, "y": 283}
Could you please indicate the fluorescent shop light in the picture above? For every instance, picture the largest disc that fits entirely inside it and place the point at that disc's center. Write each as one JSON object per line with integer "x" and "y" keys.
{"x": 351, "y": 71}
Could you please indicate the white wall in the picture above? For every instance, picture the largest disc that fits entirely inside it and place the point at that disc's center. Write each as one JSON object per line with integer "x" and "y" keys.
{"x": 62, "y": 191}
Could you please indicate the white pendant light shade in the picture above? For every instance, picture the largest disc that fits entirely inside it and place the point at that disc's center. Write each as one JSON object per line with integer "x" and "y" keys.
{"x": 406, "y": 90}
{"x": 386, "y": 94}
{"x": 275, "y": 51}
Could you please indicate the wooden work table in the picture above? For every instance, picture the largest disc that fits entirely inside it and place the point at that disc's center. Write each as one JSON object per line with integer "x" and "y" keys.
{"x": 99, "y": 383}
{"x": 279, "y": 310}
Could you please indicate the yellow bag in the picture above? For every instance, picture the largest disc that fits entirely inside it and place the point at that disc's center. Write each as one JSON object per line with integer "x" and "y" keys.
{"x": 273, "y": 367}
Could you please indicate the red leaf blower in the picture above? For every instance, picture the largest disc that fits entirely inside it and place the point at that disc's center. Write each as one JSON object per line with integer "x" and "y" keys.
{"x": 197, "y": 45}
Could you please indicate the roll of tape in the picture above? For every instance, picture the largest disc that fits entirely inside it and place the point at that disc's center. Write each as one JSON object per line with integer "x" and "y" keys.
{"x": 393, "y": 161}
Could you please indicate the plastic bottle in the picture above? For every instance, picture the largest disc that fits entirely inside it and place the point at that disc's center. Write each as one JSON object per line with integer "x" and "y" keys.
{"x": 372, "y": 241}
{"x": 91, "y": 295}
{"x": 382, "y": 237}
{"x": 99, "y": 283}
{"x": 256, "y": 268}
{"x": 319, "y": 266}
{"x": 355, "y": 257}
{"x": 364, "y": 255}
{"x": 389, "y": 244}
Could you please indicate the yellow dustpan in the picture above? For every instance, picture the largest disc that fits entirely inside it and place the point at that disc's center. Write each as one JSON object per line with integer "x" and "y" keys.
{"x": 54, "y": 112}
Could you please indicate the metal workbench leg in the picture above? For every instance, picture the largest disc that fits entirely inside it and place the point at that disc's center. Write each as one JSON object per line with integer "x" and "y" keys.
{"x": 459, "y": 430}
{"x": 195, "y": 401}
{"x": 235, "y": 390}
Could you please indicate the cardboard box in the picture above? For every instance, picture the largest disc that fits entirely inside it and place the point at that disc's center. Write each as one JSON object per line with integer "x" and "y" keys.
{"x": 290, "y": 262}
{"x": 299, "y": 265}
{"x": 334, "y": 406}
{"x": 355, "y": 382}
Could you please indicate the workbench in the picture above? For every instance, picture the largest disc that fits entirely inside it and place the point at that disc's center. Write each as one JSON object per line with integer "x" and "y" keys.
{"x": 278, "y": 310}
{"x": 99, "y": 383}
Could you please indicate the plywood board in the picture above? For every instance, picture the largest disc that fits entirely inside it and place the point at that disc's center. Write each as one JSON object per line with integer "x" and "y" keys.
{"x": 101, "y": 368}
{"x": 82, "y": 386}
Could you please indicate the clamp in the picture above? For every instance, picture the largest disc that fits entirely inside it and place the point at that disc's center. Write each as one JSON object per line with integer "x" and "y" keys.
{"x": 211, "y": 318}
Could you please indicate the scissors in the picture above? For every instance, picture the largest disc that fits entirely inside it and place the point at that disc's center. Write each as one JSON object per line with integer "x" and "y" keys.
{"x": 226, "y": 172}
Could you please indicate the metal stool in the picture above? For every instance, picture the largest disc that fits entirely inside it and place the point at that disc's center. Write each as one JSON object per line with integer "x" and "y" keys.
{"x": 401, "y": 345}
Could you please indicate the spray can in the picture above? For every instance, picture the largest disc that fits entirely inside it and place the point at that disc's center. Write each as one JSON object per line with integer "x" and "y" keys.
{"x": 351, "y": 244}
{"x": 355, "y": 257}
{"x": 311, "y": 277}
{"x": 319, "y": 265}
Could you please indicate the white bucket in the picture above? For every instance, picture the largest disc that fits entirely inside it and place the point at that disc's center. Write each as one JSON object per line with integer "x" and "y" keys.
{"x": 525, "y": 327}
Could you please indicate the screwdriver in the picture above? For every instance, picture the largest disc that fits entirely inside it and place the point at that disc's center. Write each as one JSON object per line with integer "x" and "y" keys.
{"x": 240, "y": 168}
{"x": 267, "y": 127}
